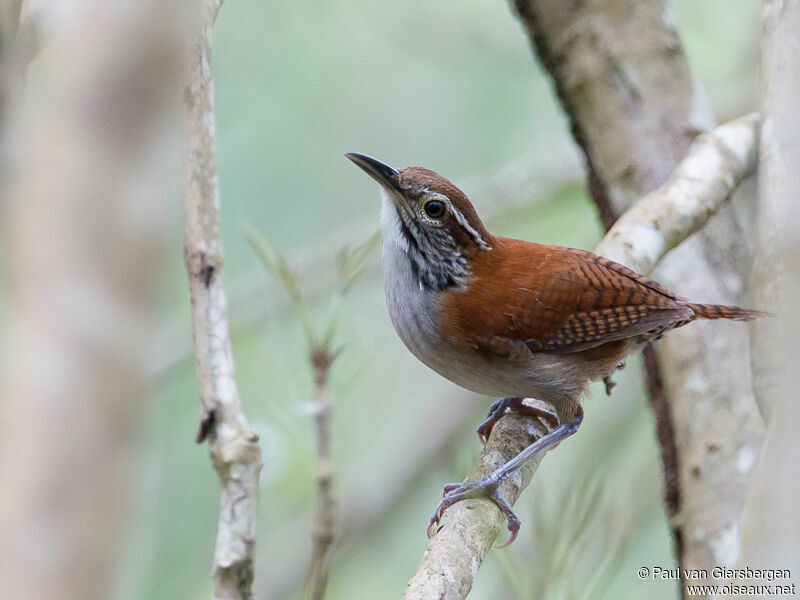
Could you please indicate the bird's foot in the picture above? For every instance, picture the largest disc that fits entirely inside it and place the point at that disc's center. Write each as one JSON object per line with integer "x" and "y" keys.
{"x": 487, "y": 487}
{"x": 501, "y": 406}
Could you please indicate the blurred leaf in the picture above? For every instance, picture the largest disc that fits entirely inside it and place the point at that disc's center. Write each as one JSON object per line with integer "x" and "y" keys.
{"x": 330, "y": 329}
{"x": 277, "y": 266}
{"x": 351, "y": 265}
{"x": 351, "y": 262}
{"x": 579, "y": 563}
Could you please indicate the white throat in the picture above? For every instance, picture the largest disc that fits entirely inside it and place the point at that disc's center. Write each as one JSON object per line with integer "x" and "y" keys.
{"x": 431, "y": 255}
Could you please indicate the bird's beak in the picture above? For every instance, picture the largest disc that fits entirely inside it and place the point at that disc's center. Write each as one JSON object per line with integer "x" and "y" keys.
{"x": 384, "y": 175}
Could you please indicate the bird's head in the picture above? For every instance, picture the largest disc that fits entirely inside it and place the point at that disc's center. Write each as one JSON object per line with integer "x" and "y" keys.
{"x": 429, "y": 219}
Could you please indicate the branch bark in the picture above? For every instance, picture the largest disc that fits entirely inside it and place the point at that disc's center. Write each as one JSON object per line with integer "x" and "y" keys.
{"x": 326, "y": 517}
{"x": 9, "y": 63}
{"x": 469, "y": 528}
{"x": 634, "y": 110}
{"x": 776, "y": 185}
{"x": 603, "y": 68}
{"x": 233, "y": 446}
{"x": 770, "y": 519}
{"x": 700, "y": 185}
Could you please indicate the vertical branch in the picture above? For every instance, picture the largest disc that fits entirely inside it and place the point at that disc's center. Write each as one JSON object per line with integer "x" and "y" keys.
{"x": 89, "y": 153}
{"x": 9, "y": 65}
{"x": 234, "y": 448}
{"x": 770, "y": 520}
{"x": 325, "y": 519}
{"x": 351, "y": 264}
{"x": 634, "y": 109}
{"x": 776, "y": 185}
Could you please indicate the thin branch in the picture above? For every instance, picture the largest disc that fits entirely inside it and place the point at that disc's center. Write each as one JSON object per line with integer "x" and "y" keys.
{"x": 702, "y": 182}
{"x": 326, "y": 520}
{"x": 375, "y": 498}
{"x": 234, "y": 448}
{"x": 321, "y": 355}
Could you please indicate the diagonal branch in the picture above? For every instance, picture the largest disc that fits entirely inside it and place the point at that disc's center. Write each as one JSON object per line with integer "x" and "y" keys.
{"x": 234, "y": 447}
{"x": 702, "y": 182}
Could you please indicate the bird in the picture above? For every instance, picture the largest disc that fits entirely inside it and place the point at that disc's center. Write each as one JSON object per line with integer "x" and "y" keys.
{"x": 510, "y": 318}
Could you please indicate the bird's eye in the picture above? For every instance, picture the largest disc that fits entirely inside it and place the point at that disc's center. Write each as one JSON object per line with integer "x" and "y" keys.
{"x": 435, "y": 209}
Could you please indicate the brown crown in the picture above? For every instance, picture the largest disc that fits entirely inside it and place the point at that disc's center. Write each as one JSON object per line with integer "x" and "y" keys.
{"x": 413, "y": 180}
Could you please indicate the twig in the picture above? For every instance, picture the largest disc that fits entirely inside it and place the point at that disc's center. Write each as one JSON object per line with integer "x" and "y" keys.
{"x": 321, "y": 355}
{"x": 326, "y": 519}
{"x": 702, "y": 182}
{"x": 376, "y": 496}
{"x": 234, "y": 448}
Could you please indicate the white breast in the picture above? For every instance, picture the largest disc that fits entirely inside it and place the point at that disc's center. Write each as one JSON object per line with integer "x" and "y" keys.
{"x": 413, "y": 311}
{"x": 411, "y": 308}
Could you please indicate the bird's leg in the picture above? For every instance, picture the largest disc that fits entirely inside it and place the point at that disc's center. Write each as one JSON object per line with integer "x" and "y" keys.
{"x": 499, "y": 408}
{"x": 488, "y": 486}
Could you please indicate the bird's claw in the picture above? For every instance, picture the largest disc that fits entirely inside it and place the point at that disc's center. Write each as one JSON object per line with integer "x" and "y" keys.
{"x": 501, "y": 406}
{"x": 496, "y": 411}
{"x": 455, "y": 492}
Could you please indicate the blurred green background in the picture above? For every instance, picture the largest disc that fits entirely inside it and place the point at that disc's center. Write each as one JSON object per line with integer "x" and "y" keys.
{"x": 455, "y": 88}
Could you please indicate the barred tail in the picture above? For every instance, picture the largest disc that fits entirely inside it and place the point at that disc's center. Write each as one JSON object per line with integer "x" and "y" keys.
{"x": 717, "y": 311}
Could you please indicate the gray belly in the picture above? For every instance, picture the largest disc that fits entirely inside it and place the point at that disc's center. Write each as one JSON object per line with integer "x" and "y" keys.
{"x": 413, "y": 314}
{"x": 413, "y": 310}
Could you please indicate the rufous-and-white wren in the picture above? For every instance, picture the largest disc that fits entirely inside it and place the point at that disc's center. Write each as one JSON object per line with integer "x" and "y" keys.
{"x": 510, "y": 318}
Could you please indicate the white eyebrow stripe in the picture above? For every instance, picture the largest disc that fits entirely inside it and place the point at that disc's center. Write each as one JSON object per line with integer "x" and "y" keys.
{"x": 462, "y": 220}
